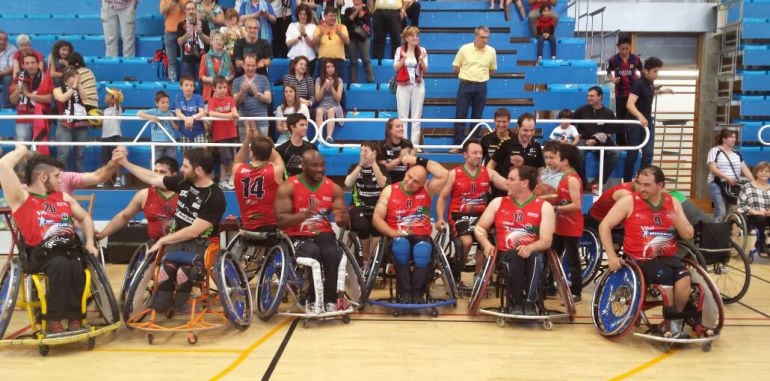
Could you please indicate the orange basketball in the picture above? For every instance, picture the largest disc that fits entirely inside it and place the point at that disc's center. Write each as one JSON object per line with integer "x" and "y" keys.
{"x": 544, "y": 190}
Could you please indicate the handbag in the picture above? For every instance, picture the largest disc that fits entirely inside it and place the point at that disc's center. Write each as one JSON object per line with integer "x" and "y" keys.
{"x": 729, "y": 192}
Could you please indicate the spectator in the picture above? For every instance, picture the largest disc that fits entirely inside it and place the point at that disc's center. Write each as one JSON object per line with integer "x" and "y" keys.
{"x": 190, "y": 108}
{"x": 31, "y": 92}
{"x": 522, "y": 145}
{"x": 546, "y": 28}
{"x": 119, "y": 14}
{"x": 387, "y": 21}
{"x": 252, "y": 95}
{"x": 754, "y": 203}
{"x": 552, "y": 173}
{"x": 193, "y": 37}
{"x": 162, "y": 130}
{"x": 87, "y": 81}
{"x": 328, "y": 93}
{"x": 358, "y": 22}
{"x": 292, "y": 104}
{"x": 726, "y": 166}
{"x": 252, "y": 44}
{"x": 215, "y": 63}
{"x": 640, "y": 106}
{"x": 410, "y": 63}
{"x": 70, "y": 97}
{"x": 211, "y": 13}
{"x": 111, "y": 131}
{"x": 534, "y": 13}
{"x": 474, "y": 64}
{"x": 299, "y": 78}
{"x": 232, "y": 30}
{"x": 365, "y": 179}
{"x": 6, "y": 68}
{"x": 282, "y": 10}
{"x": 299, "y": 37}
{"x": 412, "y": 14}
{"x": 173, "y": 12}
{"x": 57, "y": 61}
{"x": 623, "y": 69}
{"x": 292, "y": 150}
{"x": 262, "y": 11}
{"x": 394, "y": 149}
{"x": 25, "y": 47}
{"x": 565, "y": 132}
{"x": 491, "y": 141}
{"x": 519, "y": 6}
{"x": 596, "y": 134}
{"x": 330, "y": 38}
{"x": 222, "y": 105}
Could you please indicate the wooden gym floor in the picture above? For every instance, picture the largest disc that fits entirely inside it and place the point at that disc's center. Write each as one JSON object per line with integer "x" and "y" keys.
{"x": 376, "y": 345}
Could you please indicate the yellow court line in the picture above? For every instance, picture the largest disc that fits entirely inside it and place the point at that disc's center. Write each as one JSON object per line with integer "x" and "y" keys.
{"x": 642, "y": 367}
{"x": 245, "y": 353}
{"x": 170, "y": 350}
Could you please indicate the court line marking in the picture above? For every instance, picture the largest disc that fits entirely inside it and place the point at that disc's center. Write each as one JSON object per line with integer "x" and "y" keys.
{"x": 245, "y": 353}
{"x": 643, "y": 367}
{"x": 277, "y": 356}
{"x": 167, "y": 350}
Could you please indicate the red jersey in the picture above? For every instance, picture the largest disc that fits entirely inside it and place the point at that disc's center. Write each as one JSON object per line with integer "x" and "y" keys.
{"x": 255, "y": 190}
{"x": 650, "y": 230}
{"x": 626, "y": 71}
{"x": 322, "y": 195}
{"x": 223, "y": 129}
{"x": 568, "y": 224}
{"x": 517, "y": 225}
{"x": 602, "y": 206}
{"x": 159, "y": 212}
{"x": 469, "y": 192}
{"x": 42, "y": 83}
{"x": 46, "y": 221}
{"x": 409, "y": 212}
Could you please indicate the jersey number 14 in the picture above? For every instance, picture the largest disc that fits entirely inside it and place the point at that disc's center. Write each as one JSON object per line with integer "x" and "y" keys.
{"x": 255, "y": 187}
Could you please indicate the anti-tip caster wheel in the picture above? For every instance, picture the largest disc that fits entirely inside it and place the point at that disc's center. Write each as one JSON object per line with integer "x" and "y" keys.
{"x": 396, "y": 313}
{"x": 706, "y": 347}
{"x": 433, "y": 312}
{"x": 346, "y": 319}
{"x": 91, "y": 343}
{"x": 501, "y": 322}
{"x": 667, "y": 347}
{"x": 305, "y": 323}
{"x": 192, "y": 338}
{"x": 43, "y": 350}
{"x": 150, "y": 338}
{"x": 547, "y": 325}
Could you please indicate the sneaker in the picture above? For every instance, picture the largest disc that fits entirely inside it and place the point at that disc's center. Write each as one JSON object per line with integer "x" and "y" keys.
{"x": 516, "y": 309}
{"x": 553, "y": 57}
{"x": 224, "y": 185}
{"x": 55, "y": 326}
{"x": 101, "y": 185}
{"x": 330, "y": 140}
{"x": 577, "y": 299}
{"x": 118, "y": 183}
{"x": 74, "y": 325}
{"x": 539, "y": 60}
{"x": 314, "y": 308}
{"x": 331, "y": 307}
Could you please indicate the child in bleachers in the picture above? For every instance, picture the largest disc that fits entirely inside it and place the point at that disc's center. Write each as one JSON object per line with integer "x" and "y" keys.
{"x": 111, "y": 129}
{"x": 162, "y": 130}
{"x": 222, "y": 105}
{"x": 565, "y": 132}
{"x": 551, "y": 174}
{"x": 190, "y": 108}
{"x": 546, "y": 27}
{"x": 292, "y": 104}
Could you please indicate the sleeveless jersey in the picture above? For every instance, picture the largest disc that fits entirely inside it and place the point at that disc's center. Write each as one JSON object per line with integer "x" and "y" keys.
{"x": 255, "y": 190}
{"x": 409, "y": 212}
{"x": 602, "y": 206}
{"x": 568, "y": 224}
{"x": 159, "y": 212}
{"x": 46, "y": 221}
{"x": 650, "y": 231}
{"x": 517, "y": 225}
{"x": 469, "y": 193}
{"x": 322, "y": 196}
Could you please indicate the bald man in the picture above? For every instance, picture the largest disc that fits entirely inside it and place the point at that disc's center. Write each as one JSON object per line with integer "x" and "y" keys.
{"x": 403, "y": 215}
{"x": 302, "y": 207}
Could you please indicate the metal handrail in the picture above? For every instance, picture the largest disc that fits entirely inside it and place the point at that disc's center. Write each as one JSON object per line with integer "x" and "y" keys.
{"x": 759, "y": 135}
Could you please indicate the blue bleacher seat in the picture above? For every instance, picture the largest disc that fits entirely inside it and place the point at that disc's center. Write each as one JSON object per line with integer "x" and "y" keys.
{"x": 754, "y": 105}
{"x": 753, "y": 155}
{"x": 756, "y": 55}
{"x": 140, "y": 94}
{"x": 359, "y": 131}
{"x": 117, "y": 69}
{"x": 365, "y": 96}
{"x": 755, "y": 81}
{"x": 748, "y": 134}
{"x": 756, "y": 8}
{"x": 756, "y": 29}
{"x": 73, "y": 23}
{"x": 567, "y": 49}
{"x": 343, "y": 159}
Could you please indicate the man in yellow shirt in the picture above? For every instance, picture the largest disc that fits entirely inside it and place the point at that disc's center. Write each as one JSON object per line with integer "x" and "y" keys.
{"x": 474, "y": 64}
{"x": 330, "y": 38}
{"x": 387, "y": 19}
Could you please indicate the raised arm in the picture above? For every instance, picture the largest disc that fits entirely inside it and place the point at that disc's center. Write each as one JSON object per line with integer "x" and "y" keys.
{"x": 143, "y": 174}
{"x": 13, "y": 191}
{"x": 85, "y": 223}
{"x": 440, "y": 175}
{"x": 105, "y": 172}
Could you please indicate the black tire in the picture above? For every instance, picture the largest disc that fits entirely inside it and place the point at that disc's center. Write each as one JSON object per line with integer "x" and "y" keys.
{"x": 373, "y": 270}
{"x": 732, "y": 276}
{"x": 740, "y": 230}
{"x": 273, "y": 281}
{"x": 139, "y": 294}
{"x": 355, "y": 288}
{"x": 234, "y": 290}
{"x": 101, "y": 292}
{"x": 133, "y": 264}
{"x": 590, "y": 252}
{"x": 442, "y": 264}
{"x": 10, "y": 281}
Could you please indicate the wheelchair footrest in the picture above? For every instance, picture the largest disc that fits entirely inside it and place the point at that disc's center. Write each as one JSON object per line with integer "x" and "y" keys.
{"x": 387, "y": 303}
{"x": 65, "y": 337}
{"x": 497, "y": 313}
{"x": 308, "y": 315}
{"x": 662, "y": 339}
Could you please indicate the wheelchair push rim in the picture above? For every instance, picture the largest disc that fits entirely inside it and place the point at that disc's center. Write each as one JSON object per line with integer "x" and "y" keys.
{"x": 273, "y": 279}
{"x": 562, "y": 285}
{"x": 101, "y": 292}
{"x": 479, "y": 290}
{"x": 617, "y": 301}
{"x": 354, "y": 280}
{"x": 133, "y": 265}
{"x": 234, "y": 290}
{"x": 140, "y": 288}
{"x": 10, "y": 281}
{"x": 590, "y": 253}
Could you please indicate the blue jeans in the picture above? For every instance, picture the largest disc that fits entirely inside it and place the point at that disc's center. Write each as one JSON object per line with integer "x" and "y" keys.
{"x": 6, "y": 81}
{"x": 634, "y": 136}
{"x": 191, "y": 69}
{"x": 610, "y": 160}
{"x": 23, "y": 132}
{"x": 720, "y": 209}
{"x": 551, "y": 41}
{"x": 471, "y": 95}
{"x": 79, "y": 134}
{"x": 172, "y": 52}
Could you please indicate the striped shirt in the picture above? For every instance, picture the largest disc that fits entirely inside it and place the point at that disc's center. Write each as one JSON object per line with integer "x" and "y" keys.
{"x": 119, "y": 4}
{"x": 723, "y": 161}
{"x": 305, "y": 87}
{"x": 751, "y": 197}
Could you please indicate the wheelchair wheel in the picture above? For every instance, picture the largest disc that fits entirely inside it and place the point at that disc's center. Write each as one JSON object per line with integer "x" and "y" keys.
{"x": 249, "y": 256}
{"x": 730, "y": 272}
{"x": 273, "y": 281}
{"x": 740, "y": 231}
{"x": 234, "y": 291}
{"x": 562, "y": 286}
{"x": 10, "y": 281}
{"x": 445, "y": 272}
{"x": 479, "y": 289}
{"x": 713, "y": 314}
{"x": 372, "y": 271}
{"x": 354, "y": 280}
{"x": 443, "y": 238}
{"x": 350, "y": 240}
{"x": 133, "y": 265}
{"x": 139, "y": 293}
{"x": 101, "y": 291}
{"x": 618, "y": 300}
{"x": 590, "y": 253}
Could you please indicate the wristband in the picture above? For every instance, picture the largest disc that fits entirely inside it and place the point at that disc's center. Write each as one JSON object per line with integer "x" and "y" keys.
{"x": 421, "y": 161}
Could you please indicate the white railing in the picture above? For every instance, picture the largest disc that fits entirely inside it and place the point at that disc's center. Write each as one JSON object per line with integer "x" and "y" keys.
{"x": 759, "y": 135}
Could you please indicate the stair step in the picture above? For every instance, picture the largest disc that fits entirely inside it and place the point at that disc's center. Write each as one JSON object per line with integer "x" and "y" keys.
{"x": 461, "y": 30}
{"x": 454, "y": 51}
{"x": 490, "y": 102}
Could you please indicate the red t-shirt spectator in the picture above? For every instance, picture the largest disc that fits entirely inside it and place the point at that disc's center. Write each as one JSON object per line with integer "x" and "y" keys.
{"x": 19, "y": 56}
{"x": 223, "y": 129}
{"x": 44, "y": 86}
{"x": 546, "y": 25}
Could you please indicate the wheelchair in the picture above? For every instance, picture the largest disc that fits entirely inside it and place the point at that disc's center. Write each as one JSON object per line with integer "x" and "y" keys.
{"x": 622, "y": 297}
{"x": 437, "y": 294}
{"x": 491, "y": 269}
{"x": 741, "y": 232}
{"x": 220, "y": 267}
{"x": 281, "y": 275}
{"x": 452, "y": 247}
{"x": 99, "y": 307}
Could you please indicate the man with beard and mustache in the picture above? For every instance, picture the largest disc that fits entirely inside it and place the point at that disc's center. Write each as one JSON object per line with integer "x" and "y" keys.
{"x": 200, "y": 206}
{"x": 653, "y": 222}
{"x": 46, "y": 219}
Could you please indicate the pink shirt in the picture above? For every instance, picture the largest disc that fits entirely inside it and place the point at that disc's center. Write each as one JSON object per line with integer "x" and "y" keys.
{"x": 69, "y": 181}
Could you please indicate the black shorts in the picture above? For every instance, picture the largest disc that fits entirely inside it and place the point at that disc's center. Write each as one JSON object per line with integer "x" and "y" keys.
{"x": 463, "y": 223}
{"x": 226, "y": 153}
{"x": 361, "y": 222}
{"x": 664, "y": 271}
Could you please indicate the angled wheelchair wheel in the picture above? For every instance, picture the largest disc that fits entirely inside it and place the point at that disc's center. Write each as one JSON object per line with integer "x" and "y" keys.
{"x": 480, "y": 285}
{"x": 740, "y": 229}
{"x": 350, "y": 240}
{"x": 101, "y": 291}
{"x": 562, "y": 286}
{"x": 372, "y": 271}
{"x": 133, "y": 265}
{"x": 273, "y": 281}
{"x": 354, "y": 280}
{"x": 443, "y": 238}
{"x": 445, "y": 273}
{"x": 617, "y": 301}
{"x": 234, "y": 291}
{"x": 590, "y": 253}
{"x": 713, "y": 314}
{"x": 140, "y": 286}
{"x": 10, "y": 281}
{"x": 731, "y": 272}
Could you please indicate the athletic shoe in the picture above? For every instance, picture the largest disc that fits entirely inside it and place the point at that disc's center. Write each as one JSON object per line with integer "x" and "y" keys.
{"x": 55, "y": 326}
{"x": 577, "y": 299}
{"x": 314, "y": 308}
{"x": 539, "y": 60}
{"x": 331, "y": 307}
{"x": 118, "y": 183}
{"x": 74, "y": 325}
{"x": 100, "y": 185}
{"x": 516, "y": 309}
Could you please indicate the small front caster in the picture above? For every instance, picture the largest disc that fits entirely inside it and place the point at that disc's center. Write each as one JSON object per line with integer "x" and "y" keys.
{"x": 192, "y": 339}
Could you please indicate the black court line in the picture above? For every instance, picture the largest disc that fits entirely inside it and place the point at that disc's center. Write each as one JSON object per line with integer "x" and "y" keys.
{"x": 753, "y": 309}
{"x": 279, "y": 352}
{"x": 459, "y": 321}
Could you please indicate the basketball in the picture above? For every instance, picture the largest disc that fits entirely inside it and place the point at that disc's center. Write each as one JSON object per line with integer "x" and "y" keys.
{"x": 544, "y": 190}
{"x": 95, "y": 123}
